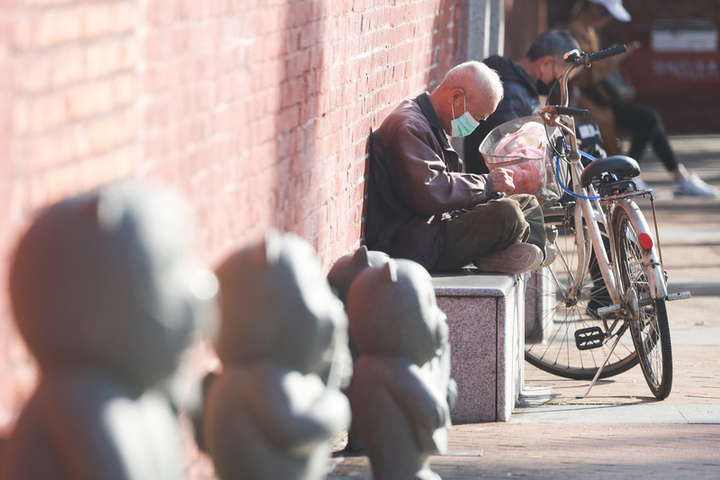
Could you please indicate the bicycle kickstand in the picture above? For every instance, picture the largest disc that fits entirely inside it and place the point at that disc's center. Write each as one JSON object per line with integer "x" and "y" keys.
{"x": 600, "y": 370}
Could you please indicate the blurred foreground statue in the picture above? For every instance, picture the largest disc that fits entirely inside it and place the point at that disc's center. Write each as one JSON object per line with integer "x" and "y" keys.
{"x": 273, "y": 409}
{"x": 107, "y": 295}
{"x": 401, "y": 383}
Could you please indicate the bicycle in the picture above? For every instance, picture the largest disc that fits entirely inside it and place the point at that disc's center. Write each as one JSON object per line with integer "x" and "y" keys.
{"x": 607, "y": 282}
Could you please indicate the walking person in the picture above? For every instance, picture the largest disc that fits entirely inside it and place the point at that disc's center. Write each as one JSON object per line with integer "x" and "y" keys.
{"x": 587, "y": 19}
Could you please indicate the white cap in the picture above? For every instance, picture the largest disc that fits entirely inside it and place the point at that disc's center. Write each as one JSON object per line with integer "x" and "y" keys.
{"x": 616, "y": 9}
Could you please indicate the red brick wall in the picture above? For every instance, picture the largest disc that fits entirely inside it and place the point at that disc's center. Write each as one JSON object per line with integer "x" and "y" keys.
{"x": 257, "y": 111}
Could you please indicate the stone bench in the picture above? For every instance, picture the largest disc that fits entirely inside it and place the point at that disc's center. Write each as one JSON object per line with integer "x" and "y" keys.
{"x": 486, "y": 317}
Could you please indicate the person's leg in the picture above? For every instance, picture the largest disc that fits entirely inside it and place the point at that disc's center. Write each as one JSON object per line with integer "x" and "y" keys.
{"x": 489, "y": 228}
{"x": 599, "y": 295}
{"x": 646, "y": 127}
{"x": 533, "y": 214}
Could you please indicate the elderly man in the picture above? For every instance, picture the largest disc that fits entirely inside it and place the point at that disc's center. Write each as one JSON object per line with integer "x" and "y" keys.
{"x": 524, "y": 81}
{"x": 421, "y": 204}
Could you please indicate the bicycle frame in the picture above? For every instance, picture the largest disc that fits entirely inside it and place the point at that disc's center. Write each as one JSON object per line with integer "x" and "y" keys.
{"x": 607, "y": 284}
{"x": 592, "y": 212}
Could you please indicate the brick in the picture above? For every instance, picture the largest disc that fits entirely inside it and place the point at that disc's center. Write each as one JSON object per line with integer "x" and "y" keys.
{"x": 39, "y": 113}
{"x": 97, "y": 19}
{"x": 68, "y": 66}
{"x": 50, "y": 28}
{"x": 124, "y": 89}
{"x": 47, "y": 3}
{"x": 31, "y": 75}
{"x": 124, "y": 16}
{"x": 160, "y": 12}
{"x": 105, "y": 133}
{"x": 89, "y": 100}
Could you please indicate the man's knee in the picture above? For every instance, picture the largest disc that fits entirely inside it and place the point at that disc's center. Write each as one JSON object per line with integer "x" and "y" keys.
{"x": 506, "y": 207}
{"x": 510, "y": 216}
{"x": 526, "y": 201}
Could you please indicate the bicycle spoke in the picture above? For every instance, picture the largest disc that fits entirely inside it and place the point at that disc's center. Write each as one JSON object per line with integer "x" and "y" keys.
{"x": 551, "y": 345}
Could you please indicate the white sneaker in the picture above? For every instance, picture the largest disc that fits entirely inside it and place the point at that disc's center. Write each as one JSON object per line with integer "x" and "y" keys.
{"x": 693, "y": 186}
{"x": 517, "y": 258}
{"x": 641, "y": 185}
{"x": 550, "y": 254}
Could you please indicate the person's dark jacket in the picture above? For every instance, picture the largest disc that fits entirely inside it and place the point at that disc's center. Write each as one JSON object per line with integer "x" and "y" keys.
{"x": 414, "y": 180}
{"x": 520, "y": 100}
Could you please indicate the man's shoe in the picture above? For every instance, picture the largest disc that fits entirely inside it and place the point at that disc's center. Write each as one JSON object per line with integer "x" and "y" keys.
{"x": 517, "y": 258}
{"x": 693, "y": 186}
{"x": 550, "y": 254}
{"x": 551, "y": 234}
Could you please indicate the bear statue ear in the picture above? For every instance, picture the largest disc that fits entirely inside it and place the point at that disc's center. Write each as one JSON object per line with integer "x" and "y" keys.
{"x": 360, "y": 257}
{"x": 268, "y": 252}
{"x": 389, "y": 272}
{"x": 102, "y": 210}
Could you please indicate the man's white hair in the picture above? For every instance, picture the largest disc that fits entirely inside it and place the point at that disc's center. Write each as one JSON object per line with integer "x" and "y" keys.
{"x": 475, "y": 78}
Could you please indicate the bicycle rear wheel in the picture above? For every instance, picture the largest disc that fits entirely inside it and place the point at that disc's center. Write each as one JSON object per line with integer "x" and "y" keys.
{"x": 552, "y": 317}
{"x": 650, "y": 330}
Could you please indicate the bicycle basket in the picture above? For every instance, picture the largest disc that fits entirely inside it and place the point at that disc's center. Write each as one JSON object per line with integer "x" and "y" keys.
{"x": 521, "y": 145}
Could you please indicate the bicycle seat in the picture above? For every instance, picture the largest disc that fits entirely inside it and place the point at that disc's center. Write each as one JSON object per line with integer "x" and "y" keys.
{"x": 620, "y": 165}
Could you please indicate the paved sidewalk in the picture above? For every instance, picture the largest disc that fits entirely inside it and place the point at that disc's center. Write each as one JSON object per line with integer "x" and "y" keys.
{"x": 620, "y": 431}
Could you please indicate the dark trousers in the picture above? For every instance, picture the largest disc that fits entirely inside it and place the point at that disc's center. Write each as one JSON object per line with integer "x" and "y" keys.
{"x": 645, "y": 126}
{"x": 491, "y": 227}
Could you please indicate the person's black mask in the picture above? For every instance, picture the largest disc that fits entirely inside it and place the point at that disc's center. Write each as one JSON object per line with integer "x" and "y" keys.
{"x": 545, "y": 88}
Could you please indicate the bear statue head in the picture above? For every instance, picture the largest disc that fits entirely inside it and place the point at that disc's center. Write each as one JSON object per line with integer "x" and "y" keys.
{"x": 347, "y": 267}
{"x": 393, "y": 311}
{"x": 276, "y": 305}
{"x": 107, "y": 281}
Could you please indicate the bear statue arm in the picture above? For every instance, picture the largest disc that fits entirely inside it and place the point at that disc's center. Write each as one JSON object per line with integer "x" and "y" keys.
{"x": 295, "y": 412}
{"x": 406, "y": 385}
{"x": 72, "y": 422}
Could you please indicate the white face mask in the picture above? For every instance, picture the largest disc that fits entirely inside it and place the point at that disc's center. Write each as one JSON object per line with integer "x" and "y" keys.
{"x": 463, "y": 126}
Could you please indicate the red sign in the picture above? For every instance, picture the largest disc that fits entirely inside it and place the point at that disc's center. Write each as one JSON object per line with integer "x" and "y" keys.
{"x": 673, "y": 72}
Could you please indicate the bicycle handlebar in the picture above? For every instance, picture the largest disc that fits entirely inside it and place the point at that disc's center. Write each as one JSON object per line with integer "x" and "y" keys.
{"x": 607, "y": 53}
{"x": 576, "y": 58}
{"x": 573, "y": 112}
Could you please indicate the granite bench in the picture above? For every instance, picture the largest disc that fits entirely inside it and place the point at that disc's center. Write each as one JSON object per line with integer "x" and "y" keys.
{"x": 486, "y": 318}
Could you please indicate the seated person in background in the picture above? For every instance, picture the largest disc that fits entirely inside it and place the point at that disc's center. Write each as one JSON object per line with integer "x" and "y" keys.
{"x": 587, "y": 18}
{"x": 421, "y": 204}
{"x": 523, "y": 81}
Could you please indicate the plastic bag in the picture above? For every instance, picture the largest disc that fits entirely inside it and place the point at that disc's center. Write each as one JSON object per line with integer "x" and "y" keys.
{"x": 523, "y": 153}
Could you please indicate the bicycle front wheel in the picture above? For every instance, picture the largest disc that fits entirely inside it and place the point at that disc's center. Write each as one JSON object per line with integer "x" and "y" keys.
{"x": 554, "y": 314}
{"x": 649, "y": 325}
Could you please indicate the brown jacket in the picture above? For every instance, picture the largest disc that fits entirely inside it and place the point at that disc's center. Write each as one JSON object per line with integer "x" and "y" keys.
{"x": 415, "y": 182}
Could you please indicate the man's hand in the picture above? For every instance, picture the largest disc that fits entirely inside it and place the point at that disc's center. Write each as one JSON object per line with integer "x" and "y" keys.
{"x": 502, "y": 180}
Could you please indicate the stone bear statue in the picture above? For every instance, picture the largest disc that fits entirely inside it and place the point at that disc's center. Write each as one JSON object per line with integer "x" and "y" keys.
{"x": 347, "y": 267}
{"x": 107, "y": 294}
{"x": 341, "y": 276}
{"x": 401, "y": 382}
{"x": 272, "y": 410}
